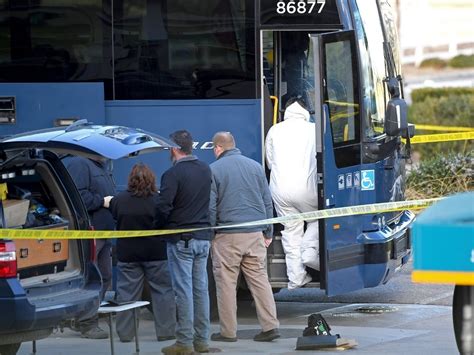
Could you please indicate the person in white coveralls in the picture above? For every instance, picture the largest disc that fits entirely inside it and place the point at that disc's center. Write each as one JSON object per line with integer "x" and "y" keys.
{"x": 290, "y": 154}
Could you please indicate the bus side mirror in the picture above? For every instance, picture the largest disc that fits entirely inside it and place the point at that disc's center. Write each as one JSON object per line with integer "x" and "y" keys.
{"x": 396, "y": 123}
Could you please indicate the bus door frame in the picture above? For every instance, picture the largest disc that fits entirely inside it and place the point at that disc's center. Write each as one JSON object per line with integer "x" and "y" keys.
{"x": 321, "y": 128}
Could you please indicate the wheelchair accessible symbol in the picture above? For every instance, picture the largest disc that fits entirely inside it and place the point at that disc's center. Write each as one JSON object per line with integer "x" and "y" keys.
{"x": 368, "y": 180}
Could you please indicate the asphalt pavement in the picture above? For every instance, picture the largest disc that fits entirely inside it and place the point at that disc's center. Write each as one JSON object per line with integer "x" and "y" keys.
{"x": 397, "y": 318}
{"x": 397, "y": 329}
{"x": 398, "y": 290}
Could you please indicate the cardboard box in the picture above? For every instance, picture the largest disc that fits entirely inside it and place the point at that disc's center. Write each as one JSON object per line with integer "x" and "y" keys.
{"x": 15, "y": 212}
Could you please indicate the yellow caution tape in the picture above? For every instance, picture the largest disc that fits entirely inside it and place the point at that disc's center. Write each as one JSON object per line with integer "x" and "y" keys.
{"x": 426, "y": 127}
{"x": 443, "y": 137}
{"x": 307, "y": 216}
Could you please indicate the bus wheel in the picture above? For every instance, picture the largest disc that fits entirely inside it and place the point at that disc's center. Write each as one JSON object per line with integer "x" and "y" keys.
{"x": 9, "y": 349}
{"x": 463, "y": 318}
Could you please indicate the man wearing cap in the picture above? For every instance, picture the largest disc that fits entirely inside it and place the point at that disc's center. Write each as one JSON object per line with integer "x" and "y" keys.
{"x": 183, "y": 203}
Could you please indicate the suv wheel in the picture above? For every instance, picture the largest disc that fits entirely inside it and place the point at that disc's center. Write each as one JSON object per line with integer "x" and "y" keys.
{"x": 463, "y": 318}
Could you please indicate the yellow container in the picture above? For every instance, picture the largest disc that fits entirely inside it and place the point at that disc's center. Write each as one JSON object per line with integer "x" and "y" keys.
{"x": 3, "y": 191}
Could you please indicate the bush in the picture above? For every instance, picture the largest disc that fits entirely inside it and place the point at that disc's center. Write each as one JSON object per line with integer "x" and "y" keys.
{"x": 443, "y": 107}
{"x": 419, "y": 95}
{"x": 452, "y": 110}
{"x": 436, "y": 63}
{"x": 462, "y": 61}
{"x": 441, "y": 175}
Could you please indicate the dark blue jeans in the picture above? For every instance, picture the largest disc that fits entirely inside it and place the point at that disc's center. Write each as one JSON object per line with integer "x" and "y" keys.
{"x": 188, "y": 267}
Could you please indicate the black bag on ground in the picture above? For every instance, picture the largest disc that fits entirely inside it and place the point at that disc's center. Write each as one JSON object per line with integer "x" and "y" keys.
{"x": 317, "y": 325}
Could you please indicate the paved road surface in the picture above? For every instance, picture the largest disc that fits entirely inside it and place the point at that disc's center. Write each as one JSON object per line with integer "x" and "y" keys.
{"x": 398, "y": 290}
{"x": 404, "y": 318}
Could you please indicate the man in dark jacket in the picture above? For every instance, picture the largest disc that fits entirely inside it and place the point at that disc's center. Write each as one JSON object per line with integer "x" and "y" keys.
{"x": 184, "y": 203}
{"x": 94, "y": 184}
{"x": 239, "y": 194}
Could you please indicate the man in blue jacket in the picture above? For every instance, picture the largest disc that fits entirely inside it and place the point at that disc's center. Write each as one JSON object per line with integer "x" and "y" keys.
{"x": 183, "y": 203}
{"x": 96, "y": 187}
{"x": 239, "y": 194}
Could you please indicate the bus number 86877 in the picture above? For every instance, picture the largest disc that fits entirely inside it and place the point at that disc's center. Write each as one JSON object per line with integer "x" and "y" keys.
{"x": 300, "y": 7}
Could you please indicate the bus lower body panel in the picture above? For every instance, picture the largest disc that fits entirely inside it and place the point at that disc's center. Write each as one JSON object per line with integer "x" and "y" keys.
{"x": 374, "y": 259}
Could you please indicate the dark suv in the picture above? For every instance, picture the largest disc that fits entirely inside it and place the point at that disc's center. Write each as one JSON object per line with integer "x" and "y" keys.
{"x": 44, "y": 283}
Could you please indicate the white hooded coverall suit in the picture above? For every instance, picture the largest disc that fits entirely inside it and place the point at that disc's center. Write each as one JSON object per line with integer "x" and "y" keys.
{"x": 291, "y": 155}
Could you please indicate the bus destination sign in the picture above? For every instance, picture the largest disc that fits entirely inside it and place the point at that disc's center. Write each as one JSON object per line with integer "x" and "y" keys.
{"x": 293, "y": 13}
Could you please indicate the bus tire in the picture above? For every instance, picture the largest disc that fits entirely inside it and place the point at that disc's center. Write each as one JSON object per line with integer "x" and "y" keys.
{"x": 463, "y": 318}
{"x": 9, "y": 349}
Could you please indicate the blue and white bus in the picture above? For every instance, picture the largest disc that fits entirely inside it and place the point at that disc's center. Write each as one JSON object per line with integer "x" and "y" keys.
{"x": 213, "y": 65}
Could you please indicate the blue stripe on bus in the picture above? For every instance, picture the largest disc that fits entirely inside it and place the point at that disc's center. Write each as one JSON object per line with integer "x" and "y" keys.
{"x": 202, "y": 118}
{"x": 38, "y": 105}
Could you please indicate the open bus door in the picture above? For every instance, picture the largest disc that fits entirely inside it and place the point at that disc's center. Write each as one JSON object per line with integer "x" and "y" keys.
{"x": 357, "y": 251}
{"x": 338, "y": 147}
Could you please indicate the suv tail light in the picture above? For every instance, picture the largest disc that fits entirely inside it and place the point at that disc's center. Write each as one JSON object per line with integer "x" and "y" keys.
{"x": 7, "y": 260}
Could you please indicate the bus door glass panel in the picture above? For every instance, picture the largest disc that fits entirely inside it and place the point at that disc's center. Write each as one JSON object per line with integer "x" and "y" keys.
{"x": 341, "y": 97}
{"x": 340, "y": 93}
{"x": 337, "y": 80}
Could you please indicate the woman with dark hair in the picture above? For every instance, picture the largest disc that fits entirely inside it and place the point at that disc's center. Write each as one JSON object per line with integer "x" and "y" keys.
{"x": 144, "y": 258}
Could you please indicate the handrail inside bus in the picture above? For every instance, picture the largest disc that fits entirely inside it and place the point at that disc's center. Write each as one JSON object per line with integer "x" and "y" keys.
{"x": 275, "y": 109}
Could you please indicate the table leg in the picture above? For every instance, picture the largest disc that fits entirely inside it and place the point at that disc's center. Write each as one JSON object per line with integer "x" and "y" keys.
{"x": 135, "y": 323}
{"x": 111, "y": 327}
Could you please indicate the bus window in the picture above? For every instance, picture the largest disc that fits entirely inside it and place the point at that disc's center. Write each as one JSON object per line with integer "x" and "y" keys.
{"x": 55, "y": 41}
{"x": 389, "y": 20}
{"x": 268, "y": 60}
{"x": 297, "y": 68}
{"x": 370, "y": 38}
{"x": 184, "y": 49}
